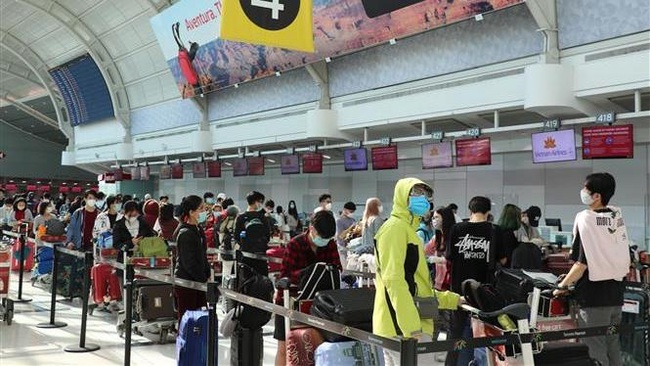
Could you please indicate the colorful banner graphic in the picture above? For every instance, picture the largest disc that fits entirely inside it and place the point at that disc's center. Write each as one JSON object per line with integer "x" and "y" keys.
{"x": 201, "y": 62}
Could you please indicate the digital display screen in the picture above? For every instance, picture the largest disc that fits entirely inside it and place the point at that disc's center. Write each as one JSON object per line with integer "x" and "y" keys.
{"x": 198, "y": 170}
{"x": 44, "y": 188}
{"x": 214, "y": 169}
{"x": 437, "y": 155}
{"x": 62, "y": 189}
{"x": 608, "y": 142}
{"x": 145, "y": 173}
{"x": 177, "y": 171}
{"x": 135, "y": 173}
{"x": 118, "y": 175}
{"x": 256, "y": 166}
{"x": 312, "y": 163}
{"x": 76, "y": 189}
{"x": 240, "y": 167}
{"x": 290, "y": 164}
{"x": 355, "y": 159}
{"x": 384, "y": 157}
{"x": 473, "y": 152}
{"x": 30, "y": 188}
{"x": 166, "y": 172}
{"x": 549, "y": 147}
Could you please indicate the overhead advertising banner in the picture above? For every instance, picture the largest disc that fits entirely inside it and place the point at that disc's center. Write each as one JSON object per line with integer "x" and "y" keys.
{"x": 201, "y": 62}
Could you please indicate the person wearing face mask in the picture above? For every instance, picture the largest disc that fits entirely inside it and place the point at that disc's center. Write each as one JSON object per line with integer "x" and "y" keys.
{"x": 82, "y": 223}
{"x": 5, "y": 213}
{"x": 192, "y": 263}
{"x": 528, "y": 232}
{"x": 253, "y": 231}
{"x": 20, "y": 213}
{"x": 324, "y": 203}
{"x": 425, "y": 230}
{"x": 601, "y": 254}
{"x": 129, "y": 230}
{"x": 208, "y": 198}
{"x": 101, "y": 201}
{"x": 45, "y": 214}
{"x": 293, "y": 219}
{"x": 402, "y": 272}
{"x": 443, "y": 220}
{"x": 107, "y": 219}
{"x": 344, "y": 223}
{"x": 304, "y": 250}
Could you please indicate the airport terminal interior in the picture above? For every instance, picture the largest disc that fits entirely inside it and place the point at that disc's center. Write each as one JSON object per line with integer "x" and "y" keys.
{"x": 413, "y": 182}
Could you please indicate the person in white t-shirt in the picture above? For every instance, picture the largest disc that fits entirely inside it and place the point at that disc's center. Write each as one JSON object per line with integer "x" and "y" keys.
{"x": 602, "y": 260}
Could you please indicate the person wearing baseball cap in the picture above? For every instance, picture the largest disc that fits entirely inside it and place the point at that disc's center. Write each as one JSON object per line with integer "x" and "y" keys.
{"x": 528, "y": 232}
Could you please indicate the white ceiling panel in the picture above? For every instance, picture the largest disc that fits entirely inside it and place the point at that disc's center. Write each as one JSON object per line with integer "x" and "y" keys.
{"x": 54, "y": 44}
{"x": 78, "y": 7}
{"x": 141, "y": 64}
{"x": 111, "y": 14}
{"x": 66, "y": 56}
{"x": 29, "y": 33}
{"x": 13, "y": 13}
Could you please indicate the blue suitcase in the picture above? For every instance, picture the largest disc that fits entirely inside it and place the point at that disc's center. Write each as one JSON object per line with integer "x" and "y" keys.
{"x": 635, "y": 347}
{"x": 192, "y": 340}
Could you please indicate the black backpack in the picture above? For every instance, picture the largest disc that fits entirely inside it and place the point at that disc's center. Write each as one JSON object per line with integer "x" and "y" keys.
{"x": 256, "y": 285}
{"x": 483, "y": 296}
{"x": 257, "y": 235}
{"x": 527, "y": 256}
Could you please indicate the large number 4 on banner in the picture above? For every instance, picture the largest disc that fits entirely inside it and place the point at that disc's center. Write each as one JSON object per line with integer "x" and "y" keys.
{"x": 277, "y": 23}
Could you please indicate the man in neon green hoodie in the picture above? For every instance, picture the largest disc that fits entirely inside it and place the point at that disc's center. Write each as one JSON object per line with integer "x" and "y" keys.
{"x": 402, "y": 271}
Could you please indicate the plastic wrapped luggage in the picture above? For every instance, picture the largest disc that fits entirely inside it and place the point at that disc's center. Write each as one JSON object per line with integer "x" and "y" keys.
{"x": 246, "y": 347}
{"x": 44, "y": 260}
{"x": 351, "y": 307}
{"x": 70, "y": 276}
{"x": 636, "y": 309}
{"x": 351, "y": 353}
{"x": 301, "y": 346}
{"x": 192, "y": 340}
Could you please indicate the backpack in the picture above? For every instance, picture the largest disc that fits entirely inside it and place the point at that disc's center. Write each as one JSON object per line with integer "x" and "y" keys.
{"x": 227, "y": 228}
{"x": 54, "y": 227}
{"x": 256, "y": 239}
{"x": 319, "y": 276}
{"x": 256, "y": 285}
{"x": 153, "y": 246}
{"x": 527, "y": 256}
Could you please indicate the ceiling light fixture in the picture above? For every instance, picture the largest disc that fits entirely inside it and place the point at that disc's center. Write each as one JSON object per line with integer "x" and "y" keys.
{"x": 327, "y": 157}
{"x": 271, "y": 161}
{"x": 227, "y": 163}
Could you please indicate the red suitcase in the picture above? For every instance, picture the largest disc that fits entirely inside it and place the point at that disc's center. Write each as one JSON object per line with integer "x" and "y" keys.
{"x": 301, "y": 346}
{"x": 105, "y": 283}
{"x": 558, "y": 264}
{"x": 277, "y": 252}
{"x": 27, "y": 255}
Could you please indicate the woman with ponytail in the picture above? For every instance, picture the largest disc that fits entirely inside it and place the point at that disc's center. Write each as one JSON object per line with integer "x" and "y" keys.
{"x": 191, "y": 263}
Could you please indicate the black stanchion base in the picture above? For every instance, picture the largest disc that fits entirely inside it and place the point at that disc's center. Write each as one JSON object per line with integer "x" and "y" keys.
{"x": 51, "y": 325}
{"x": 76, "y": 349}
{"x": 21, "y": 301}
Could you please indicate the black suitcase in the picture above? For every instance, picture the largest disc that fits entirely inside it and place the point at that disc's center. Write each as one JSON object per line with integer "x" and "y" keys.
{"x": 246, "y": 347}
{"x": 565, "y": 354}
{"x": 155, "y": 302}
{"x": 351, "y": 307}
{"x": 514, "y": 285}
{"x": 635, "y": 347}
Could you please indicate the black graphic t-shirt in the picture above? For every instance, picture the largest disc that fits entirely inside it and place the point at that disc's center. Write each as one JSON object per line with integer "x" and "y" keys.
{"x": 469, "y": 252}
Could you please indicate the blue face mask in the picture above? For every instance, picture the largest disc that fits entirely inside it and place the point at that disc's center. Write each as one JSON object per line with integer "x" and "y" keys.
{"x": 210, "y": 201}
{"x": 320, "y": 242}
{"x": 202, "y": 217}
{"x": 419, "y": 205}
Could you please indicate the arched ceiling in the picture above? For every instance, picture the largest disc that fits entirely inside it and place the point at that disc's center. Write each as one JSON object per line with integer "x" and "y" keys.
{"x": 37, "y": 35}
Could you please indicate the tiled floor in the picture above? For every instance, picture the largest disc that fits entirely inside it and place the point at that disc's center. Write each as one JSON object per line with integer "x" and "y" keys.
{"x": 23, "y": 343}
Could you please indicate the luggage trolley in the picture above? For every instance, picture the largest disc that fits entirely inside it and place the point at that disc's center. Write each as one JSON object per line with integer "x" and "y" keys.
{"x": 6, "y": 306}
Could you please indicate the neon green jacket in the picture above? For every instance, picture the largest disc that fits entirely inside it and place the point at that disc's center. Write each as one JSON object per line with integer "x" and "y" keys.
{"x": 402, "y": 271}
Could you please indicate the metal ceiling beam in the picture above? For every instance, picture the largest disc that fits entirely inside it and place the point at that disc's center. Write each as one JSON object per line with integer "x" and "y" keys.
{"x": 545, "y": 14}
{"x": 11, "y": 99}
{"x": 97, "y": 51}
{"x": 40, "y": 69}
{"x": 19, "y": 72}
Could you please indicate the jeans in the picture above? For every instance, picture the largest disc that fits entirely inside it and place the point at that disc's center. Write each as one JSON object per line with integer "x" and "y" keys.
{"x": 461, "y": 327}
{"x": 605, "y": 349}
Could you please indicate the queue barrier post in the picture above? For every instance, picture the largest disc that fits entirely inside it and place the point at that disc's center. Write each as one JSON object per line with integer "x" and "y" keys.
{"x": 408, "y": 352}
{"x": 22, "y": 240}
{"x": 83, "y": 346}
{"x": 212, "y": 297}
{"x": 128, "y": 310}
{"x": 53, "y": 323}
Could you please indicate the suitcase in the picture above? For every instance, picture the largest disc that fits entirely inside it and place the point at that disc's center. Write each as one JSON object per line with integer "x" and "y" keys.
{"x": 349, "y": 354}
{"x": 514, "y": 285}
{"x": 70, "y": 276}
{"x": 27, "y": 255}
{"x": 352, "y": 307}
{"x": 105, "y": 283}
{"x": 301, "y": 346}
{"x": 246, "y": 347}
{"x": 277, "y": 252}
{"x": 44, "y": 260}
{"x": 155, "y": 302}
{"x": 558, "y": 263}
{"x": 565, "y": 354}
{"x": 635, "y": 346}
{"x": 192, "y": 339}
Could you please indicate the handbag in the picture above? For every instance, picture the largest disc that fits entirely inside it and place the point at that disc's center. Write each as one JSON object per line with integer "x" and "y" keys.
{"x": 228, "y": 324}
{"x": 427, "y": 307}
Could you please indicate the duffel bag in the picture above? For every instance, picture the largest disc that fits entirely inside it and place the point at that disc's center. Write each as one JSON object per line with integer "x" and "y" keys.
{"x": 352, "y": 307}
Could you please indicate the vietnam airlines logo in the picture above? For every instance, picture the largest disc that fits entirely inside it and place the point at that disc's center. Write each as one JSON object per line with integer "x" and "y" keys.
{"x": 434, "y": 151}
{"x": 549, "y": 143}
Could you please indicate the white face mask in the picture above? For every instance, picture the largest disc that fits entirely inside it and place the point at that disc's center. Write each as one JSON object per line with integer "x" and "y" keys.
{"x": 328, "y": 206}
{"x": 133, "y": 219}
{"x": 90, "y": 203}
{"x": 436, "y": 224}
{"x": 586, "y": 197}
